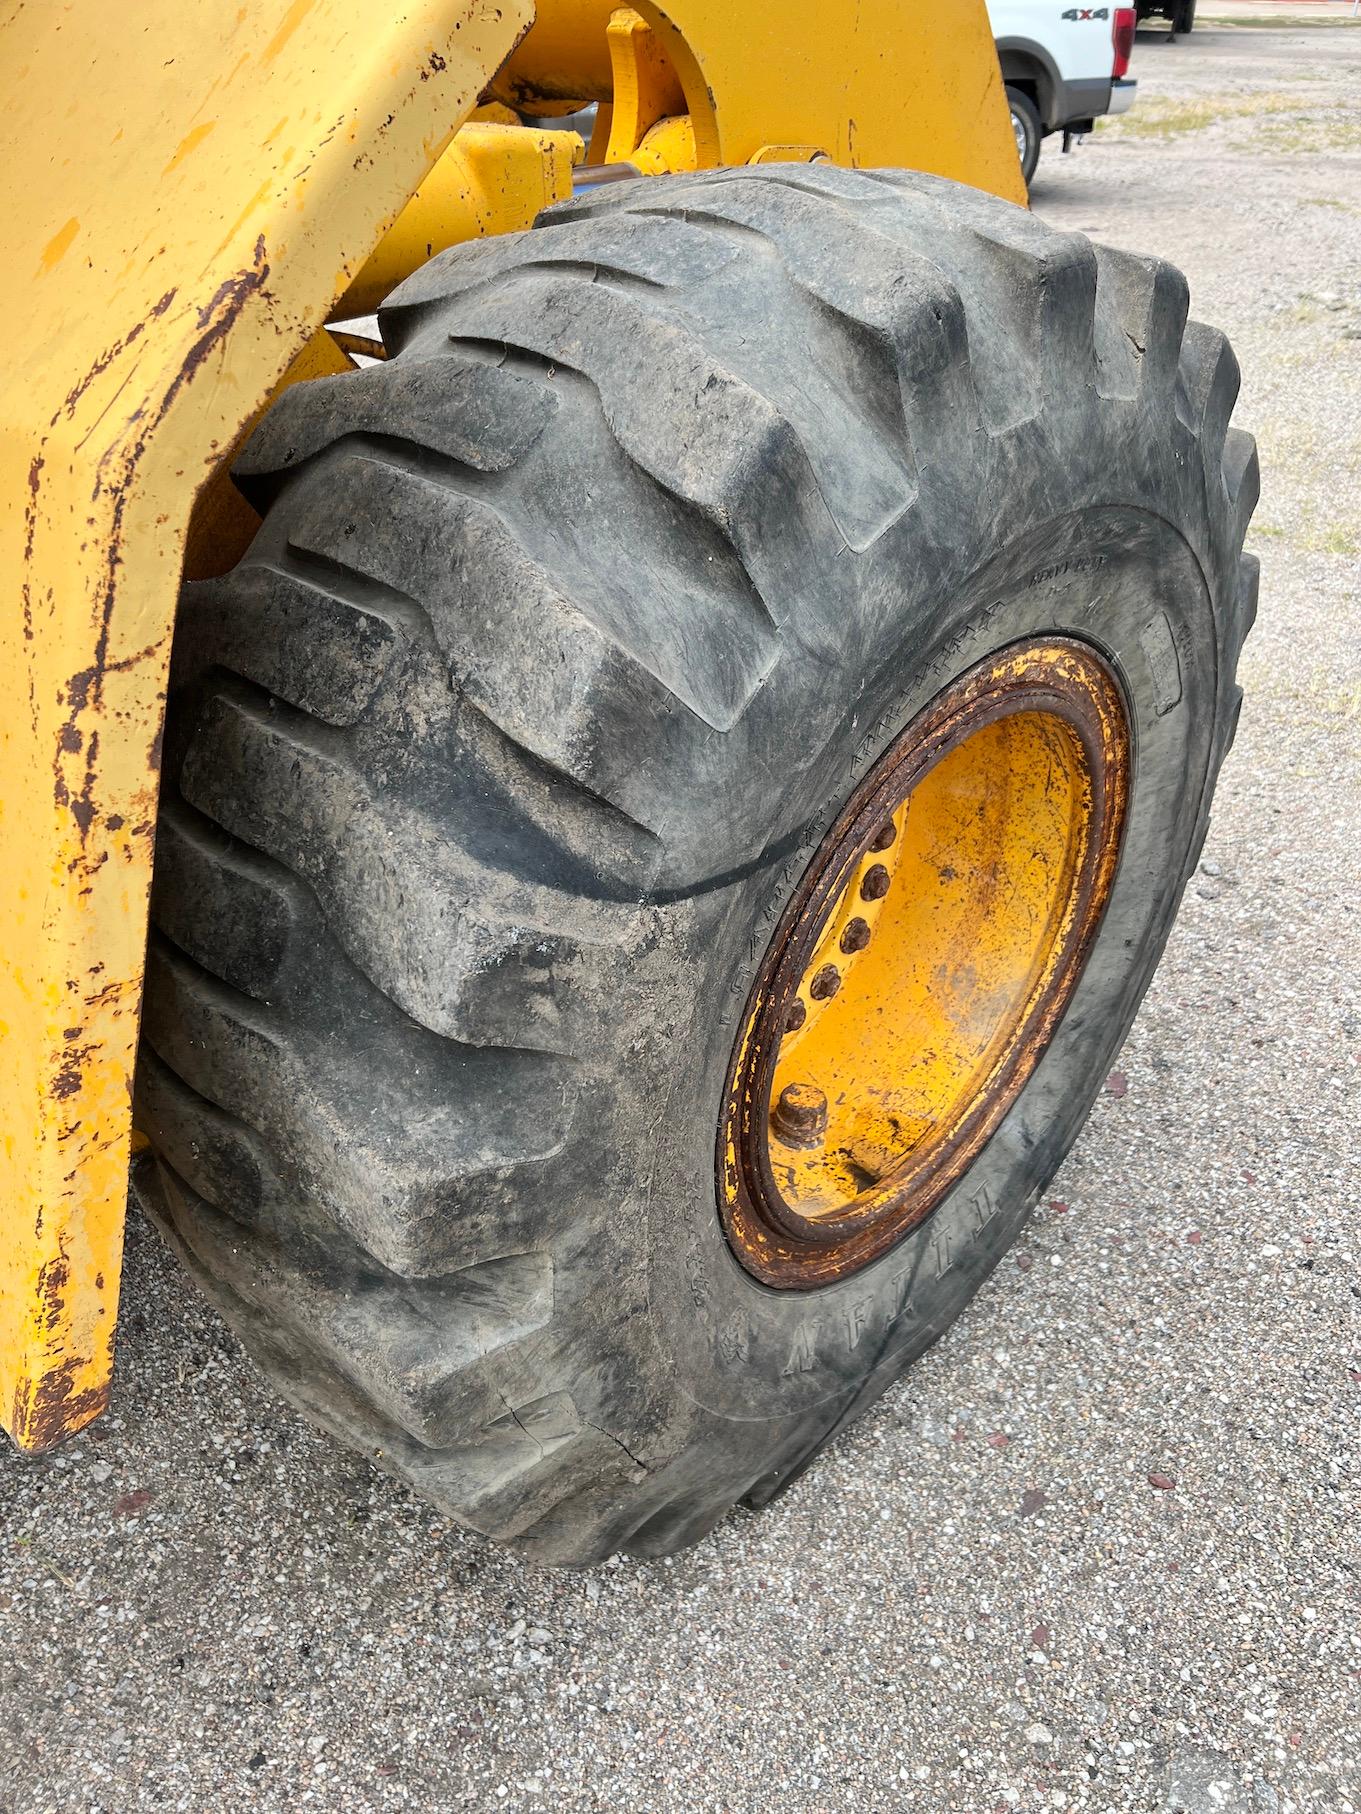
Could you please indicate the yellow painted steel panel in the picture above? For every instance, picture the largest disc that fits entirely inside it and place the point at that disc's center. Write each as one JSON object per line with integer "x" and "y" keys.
{"x": 494, "y": 178}
{"x": 189, "y": 188}
{"x": 883, "y": 82}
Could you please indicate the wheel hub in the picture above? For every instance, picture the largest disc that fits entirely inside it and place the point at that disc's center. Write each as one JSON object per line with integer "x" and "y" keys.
{"x": 923, "y": 963}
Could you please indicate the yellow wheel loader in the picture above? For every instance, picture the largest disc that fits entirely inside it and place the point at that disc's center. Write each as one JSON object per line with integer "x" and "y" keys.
{"x": 667, "y": 767}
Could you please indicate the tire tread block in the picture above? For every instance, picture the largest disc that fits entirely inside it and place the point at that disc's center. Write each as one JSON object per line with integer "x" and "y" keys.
{"x": 462, "y": 945}
{"x": 415, "y": 1145}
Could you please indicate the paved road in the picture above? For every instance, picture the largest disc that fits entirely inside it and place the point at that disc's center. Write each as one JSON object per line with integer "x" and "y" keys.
{"x": 205, "y": 1606}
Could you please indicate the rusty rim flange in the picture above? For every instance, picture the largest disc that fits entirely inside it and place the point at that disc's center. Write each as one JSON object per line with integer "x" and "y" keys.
{"x": 784, "y": 1249}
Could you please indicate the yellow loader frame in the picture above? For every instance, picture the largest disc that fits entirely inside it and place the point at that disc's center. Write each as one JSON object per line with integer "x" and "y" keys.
{"x": 192, "y": 191}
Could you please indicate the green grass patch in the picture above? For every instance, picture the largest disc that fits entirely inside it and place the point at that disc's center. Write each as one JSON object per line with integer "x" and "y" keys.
{"x": 1339, "y": 538}
{"x": 1276, "y": 24}
{"x": 1159, "y": 119}
{"x": 1311, "y": 133}
{"x": 1310, "y": 534}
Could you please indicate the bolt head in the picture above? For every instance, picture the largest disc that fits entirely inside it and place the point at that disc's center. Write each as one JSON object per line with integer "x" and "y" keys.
{"x": 800, "y": 1116}
{"x": 855, "y": 935}
{"x": 874, "y": 884}
{"x": 825, "y": 983}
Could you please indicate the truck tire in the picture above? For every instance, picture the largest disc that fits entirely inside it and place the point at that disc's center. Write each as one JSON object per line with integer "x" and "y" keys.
{"x": 1183, "y": 17}
{"x": 1027, "y": 129}
{"x": 497, "y": 771}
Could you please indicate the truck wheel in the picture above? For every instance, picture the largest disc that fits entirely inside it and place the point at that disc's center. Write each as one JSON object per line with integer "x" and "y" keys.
{"x": 1183, "y": 17}
{"x": 1026, "y": 125}
{"x": 671, "y": 820}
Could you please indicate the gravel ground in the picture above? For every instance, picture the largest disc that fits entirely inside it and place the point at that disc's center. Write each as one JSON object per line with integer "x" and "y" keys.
{"x": 1100, "y": 1551}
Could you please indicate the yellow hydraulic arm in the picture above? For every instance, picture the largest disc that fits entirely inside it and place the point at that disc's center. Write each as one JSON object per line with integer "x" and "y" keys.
{"x": 191, "y": 189}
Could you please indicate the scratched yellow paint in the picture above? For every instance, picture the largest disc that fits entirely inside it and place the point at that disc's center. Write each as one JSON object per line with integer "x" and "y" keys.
{"x": 168, "y": 245}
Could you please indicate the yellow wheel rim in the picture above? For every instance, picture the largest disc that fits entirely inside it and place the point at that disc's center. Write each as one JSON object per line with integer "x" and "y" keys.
{"x": 918, "y": 974}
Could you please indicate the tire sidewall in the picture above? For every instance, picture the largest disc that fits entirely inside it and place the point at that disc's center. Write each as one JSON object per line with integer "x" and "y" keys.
{"x": 1128, "y": 584}
{"x": 1023, "y": 109}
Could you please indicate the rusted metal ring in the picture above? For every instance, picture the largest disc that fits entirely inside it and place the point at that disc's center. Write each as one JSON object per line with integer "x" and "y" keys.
{"x": 1074, "y": 691}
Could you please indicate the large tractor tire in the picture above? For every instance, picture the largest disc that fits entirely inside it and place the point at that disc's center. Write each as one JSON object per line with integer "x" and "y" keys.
{"x": 669, "y": 823}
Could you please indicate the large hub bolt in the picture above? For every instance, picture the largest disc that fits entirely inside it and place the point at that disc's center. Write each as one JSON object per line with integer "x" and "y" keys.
{"x": 800, "y": 1116}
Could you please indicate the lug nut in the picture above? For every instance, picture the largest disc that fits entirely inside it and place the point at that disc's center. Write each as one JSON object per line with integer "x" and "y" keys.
{"x": 884, "y": 836}
{"x": 826, "y": 983}
{"x": 795, "y": 1017}
{"x": 875, "y": 884}
{"x": 856, "y": 936}
{"x": 800, "y": 1116}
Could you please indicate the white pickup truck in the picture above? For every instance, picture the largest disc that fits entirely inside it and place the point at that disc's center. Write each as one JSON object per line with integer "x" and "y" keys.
{"x": 1063, "y": 65}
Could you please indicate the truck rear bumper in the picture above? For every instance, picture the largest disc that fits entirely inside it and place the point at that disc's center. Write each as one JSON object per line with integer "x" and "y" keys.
{"x": 1083, "y": 99}
{"x": 1122, "y": 94}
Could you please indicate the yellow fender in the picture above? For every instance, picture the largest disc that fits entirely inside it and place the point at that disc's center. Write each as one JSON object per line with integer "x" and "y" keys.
{"x": 188, "y": 195}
